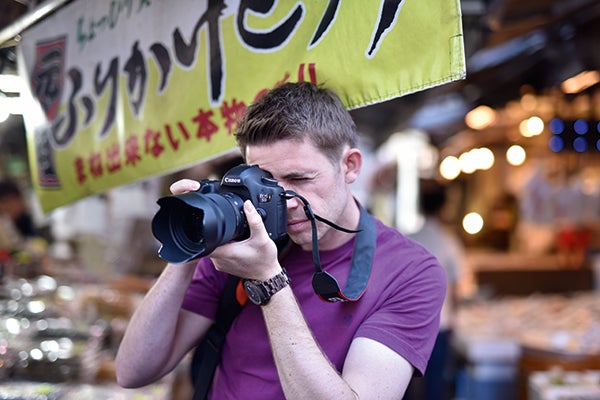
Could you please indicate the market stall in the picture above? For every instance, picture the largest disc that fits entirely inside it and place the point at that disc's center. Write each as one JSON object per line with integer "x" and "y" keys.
{"x": 58, "y": 339}
{"x": 503, "y": 341}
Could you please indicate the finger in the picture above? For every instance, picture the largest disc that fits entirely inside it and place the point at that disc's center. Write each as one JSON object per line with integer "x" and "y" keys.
{"x": 184, "y": 185}
{"x": 254, "y": 219}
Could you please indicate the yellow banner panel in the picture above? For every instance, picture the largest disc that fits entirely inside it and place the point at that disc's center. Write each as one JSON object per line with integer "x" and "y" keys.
{"x": 130, "y": 89}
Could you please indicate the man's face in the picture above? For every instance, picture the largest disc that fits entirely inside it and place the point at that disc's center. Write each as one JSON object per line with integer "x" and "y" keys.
{"x": 301, "y": 167}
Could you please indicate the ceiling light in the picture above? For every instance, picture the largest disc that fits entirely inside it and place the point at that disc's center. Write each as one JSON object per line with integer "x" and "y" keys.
{"x": 4, "y": 113}
{"x": 485, "y": 158}
{"x": 468, "y": 162}
{"x": 472, "y": 223}
{"x": 450, "y": 168}
{"x": 11, "y": 84}
{"x": 516, "y": 155}
{"x": 10, "y": 105}
{"x": 532, "y": 126}
{"x": 480, "y": 117}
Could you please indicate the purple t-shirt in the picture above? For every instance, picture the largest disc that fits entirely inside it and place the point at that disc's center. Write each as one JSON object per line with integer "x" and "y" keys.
{"x": 399, "y": 309}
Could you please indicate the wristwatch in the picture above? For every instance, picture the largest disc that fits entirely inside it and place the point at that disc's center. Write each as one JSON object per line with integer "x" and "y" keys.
{"x": 260, "y": 292}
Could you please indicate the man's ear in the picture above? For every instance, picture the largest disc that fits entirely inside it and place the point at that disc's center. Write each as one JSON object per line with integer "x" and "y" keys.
{"x": 351, "y": 164}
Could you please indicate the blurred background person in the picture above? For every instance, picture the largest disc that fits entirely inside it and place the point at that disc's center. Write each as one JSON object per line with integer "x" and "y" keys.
{"x": 438, "y": 381}
{"x": 21, "y": 244}
{"x": 13, "y": 207}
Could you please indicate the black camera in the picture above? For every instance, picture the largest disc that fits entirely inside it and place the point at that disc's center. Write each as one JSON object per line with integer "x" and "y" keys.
{"x": 193, "y": 224}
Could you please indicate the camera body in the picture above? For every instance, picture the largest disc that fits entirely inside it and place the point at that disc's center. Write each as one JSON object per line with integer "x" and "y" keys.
{"x": 193, "y": 224}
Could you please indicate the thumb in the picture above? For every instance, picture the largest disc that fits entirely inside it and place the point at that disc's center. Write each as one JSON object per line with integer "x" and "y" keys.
{"x": 263, "y": 246}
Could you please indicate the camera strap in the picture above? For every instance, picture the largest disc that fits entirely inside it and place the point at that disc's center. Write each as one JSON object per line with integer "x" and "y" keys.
{"x": 326, "y": 285}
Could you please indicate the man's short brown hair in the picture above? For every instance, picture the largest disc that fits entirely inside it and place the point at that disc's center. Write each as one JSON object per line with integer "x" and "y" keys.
{"x": 299, "y": 111}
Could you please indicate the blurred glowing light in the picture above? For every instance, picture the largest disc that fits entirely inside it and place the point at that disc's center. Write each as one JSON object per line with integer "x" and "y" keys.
{"x": 4, "y": 111}
{"x": 65, "y": 293}
{"x": 535, "y": 125}
{"x": 66, "y": 347}
{"x": 13, "y": 326}
{"x": 476, "y": 159}
{"x": 580, "y": 144}
{"x": 485, "y": 158}
{"x": 556, "y": 144}
{"x": 36, "y": 306}
{"x": 480, "y": 117}
{"x": 557, "y": 126}
{"x": 27, "y": 289}
{"x": 580, "y": 82}
{"x": 467, "y": 162}
{"x": 46, "y": 283}
{"x": 529, "y": 102}
{"x": 532, "y": 126}
{"x": 11, "y": 83}
{"x": 523, "y": 129}
{"x": 515, "y": 155}
{"x": 49, "y": 345}
{"x": 36, "y": 354}
{"x": 581, "y": 127}
{"x": 450, "y": 168}
{"x": 10, "y": 105}
{"x": 472, "y": 223}
{"x": 42, "y": 325}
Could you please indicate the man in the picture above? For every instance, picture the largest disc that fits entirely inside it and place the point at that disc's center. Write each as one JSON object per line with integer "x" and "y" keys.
{"x": 296, "y": 346}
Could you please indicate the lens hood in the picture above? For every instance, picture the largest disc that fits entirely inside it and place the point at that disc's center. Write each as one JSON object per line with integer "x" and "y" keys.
{"x": 193, "y": 225}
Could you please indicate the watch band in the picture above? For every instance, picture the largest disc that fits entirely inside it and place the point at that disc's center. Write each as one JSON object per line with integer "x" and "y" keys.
{"x": 260, "y": 292}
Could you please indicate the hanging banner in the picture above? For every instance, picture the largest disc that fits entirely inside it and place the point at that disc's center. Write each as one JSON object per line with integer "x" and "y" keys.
{"x": 129, "y": 89}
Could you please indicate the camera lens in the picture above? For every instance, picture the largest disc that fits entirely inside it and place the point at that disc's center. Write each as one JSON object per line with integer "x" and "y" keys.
{"x": 187, "y": 229}
{"x": 192, "y": 225}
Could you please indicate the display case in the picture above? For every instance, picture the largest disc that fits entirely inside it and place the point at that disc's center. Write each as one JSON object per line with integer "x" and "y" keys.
{"x": 58, "y": 340}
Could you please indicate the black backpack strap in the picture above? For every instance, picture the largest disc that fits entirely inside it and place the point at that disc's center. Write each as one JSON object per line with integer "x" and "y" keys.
{"x": 208, "y": 353}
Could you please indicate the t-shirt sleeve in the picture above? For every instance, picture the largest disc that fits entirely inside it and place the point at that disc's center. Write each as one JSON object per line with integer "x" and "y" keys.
{"x": 408, "y": 318}
{"x": 203, "y": 294}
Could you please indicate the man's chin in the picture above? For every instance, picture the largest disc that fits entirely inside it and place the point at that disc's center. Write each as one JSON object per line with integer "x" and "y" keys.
{"x": 301, "y": 239}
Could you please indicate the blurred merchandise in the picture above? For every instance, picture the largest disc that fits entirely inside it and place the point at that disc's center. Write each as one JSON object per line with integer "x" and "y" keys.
{"x": 502, "y": 342}
{"x": 44, "y": 391}
{"x": 58, "y": 339}
{"x": 562, "y": 323}
{"x": 30, "y": 391}
{"x": 564, "y": 385}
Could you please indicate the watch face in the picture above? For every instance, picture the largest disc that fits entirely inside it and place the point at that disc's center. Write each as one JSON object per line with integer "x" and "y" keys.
{"x": 254, "y": 292}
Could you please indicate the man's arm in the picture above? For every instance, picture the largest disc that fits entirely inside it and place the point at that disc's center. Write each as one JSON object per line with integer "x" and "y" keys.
{"x": 160, "y": 333}
{"x": 371, "y": 370}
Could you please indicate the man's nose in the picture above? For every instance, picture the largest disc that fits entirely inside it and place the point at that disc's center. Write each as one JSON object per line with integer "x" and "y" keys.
{"x": 293, "y": 203}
